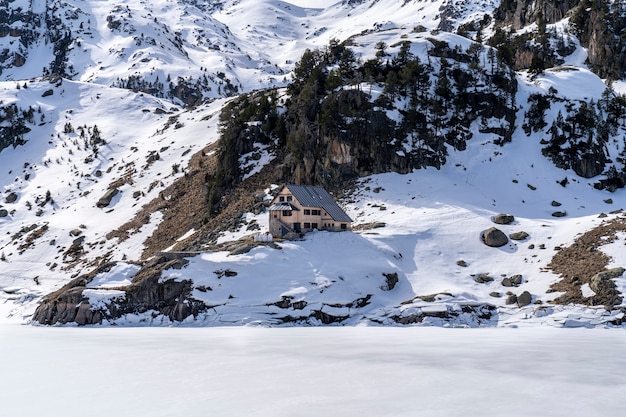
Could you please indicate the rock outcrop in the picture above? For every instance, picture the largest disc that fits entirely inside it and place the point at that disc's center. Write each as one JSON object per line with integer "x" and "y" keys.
{"x": 147, "y": 292}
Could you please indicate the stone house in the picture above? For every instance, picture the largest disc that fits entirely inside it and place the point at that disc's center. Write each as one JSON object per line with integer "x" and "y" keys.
{"x": 298, "y": 209}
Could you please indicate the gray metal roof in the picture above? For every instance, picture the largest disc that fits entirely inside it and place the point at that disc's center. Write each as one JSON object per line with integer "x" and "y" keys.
{"x": 316, "y": 196}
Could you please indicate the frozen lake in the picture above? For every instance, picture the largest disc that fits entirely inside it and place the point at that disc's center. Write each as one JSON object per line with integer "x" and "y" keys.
{"x": 355, "y": 371}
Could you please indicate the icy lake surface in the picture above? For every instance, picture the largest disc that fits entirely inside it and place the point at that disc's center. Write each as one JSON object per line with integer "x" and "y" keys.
{"x": 356, "y": 371}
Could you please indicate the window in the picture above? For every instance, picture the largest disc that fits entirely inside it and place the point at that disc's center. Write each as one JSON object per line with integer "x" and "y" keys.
{"x": 307, "y": 212}
{"x": 315, "y": 212}
{"x": 307, "y": 225}
{"x": 287, "y": 213}
{"x": 313, "y": 225}
{"x": 344, "y": 226}
{"x": 289, "y": 198}
{"x": 281, "y": 199}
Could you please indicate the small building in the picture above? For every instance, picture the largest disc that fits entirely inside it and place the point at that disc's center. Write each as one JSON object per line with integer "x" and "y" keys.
{"x": 298, "y": 209}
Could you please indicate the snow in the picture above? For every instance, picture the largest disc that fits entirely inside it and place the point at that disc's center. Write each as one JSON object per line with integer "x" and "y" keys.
{"x": 120, "y": 275}
{"x": 310, "y": 372}
{"x": 587, "y": 291}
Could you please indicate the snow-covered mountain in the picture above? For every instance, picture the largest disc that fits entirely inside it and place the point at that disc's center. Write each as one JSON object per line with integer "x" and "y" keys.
{"x": 110, "y": 134}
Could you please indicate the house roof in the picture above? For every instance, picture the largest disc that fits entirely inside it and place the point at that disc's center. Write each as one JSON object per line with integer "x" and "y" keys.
{"x": 316, "y": 196}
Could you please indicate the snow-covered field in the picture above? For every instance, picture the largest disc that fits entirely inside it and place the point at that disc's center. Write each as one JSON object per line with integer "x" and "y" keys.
{"x": 163, "y": 372}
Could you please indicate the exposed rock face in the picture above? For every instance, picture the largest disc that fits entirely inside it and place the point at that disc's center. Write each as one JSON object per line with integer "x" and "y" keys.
{"x": 520, "y": 13}
{"x": 482, "y": 314}
{"x": 170, "y": 298}
{"x": 494, "y": 237}
{"x": 391, "y": 279}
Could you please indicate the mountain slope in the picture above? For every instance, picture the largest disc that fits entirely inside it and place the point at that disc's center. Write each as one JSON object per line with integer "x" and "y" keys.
{"x": 110, "y": 168}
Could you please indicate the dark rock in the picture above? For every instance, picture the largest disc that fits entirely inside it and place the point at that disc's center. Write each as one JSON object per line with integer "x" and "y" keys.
{"x": 62, "y": 305}
{"x": 494, "y": 237}
{"x": 391, "y": 281}
{"x": 461, "y": 263}
{"x": 11, "y": 198}
{"x": 503, "y": 219}
{"x": 559, "y": 214}
{"x": 495, "y": 294}
{"x": 483, "y": 278}
{"x": 105, "y": 200}
{"x": 75, "y": 232}
{"x": 328, "y": 318}
{"x": 86, "y": 315}
{"x": 372, "y": 225}
{"x": 518, "y": 235}
{"x": 225, "y": 273}
{"x": 506, "y": 282}
{"x": 517, "y": 279}
{"x": 524, "y": 299}
{"x": 47, "y": 93}
{"x": 555, "y": 204}
{"x": 511, "y": 299}
{"x": 241, "y": 249}
{"x": 3, "y": 213}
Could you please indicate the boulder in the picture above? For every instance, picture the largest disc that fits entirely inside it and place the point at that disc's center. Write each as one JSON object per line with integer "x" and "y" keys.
{"x": 503, "y": 218}
{"x": 514, "y": 281}
{"x": 517, "y": 279}
{"x": 494, "y": 237}
{"x": 483, "y": 278}
{"x": 518, "y": 235}
{"x": 105, "y": 200}
{"x": 524, "y": 299}
{"x": 3, "y": 213}
{"x": 11, "y": 198}
{"x": 511, "y": 299}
